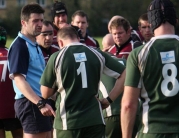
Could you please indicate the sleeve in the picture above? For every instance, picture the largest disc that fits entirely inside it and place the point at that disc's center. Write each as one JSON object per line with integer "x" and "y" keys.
{"x": 137, "y": 44}
{"x": 48, "y": 77}
{"x": 112, "y": 67}
{"x": 18, "y": 58}
{"x": 132, "y": 71}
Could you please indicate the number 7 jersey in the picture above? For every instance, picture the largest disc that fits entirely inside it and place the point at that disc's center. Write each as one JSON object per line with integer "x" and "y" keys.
{"x": 6, "y": 89}
{"x": 154, "y": 68}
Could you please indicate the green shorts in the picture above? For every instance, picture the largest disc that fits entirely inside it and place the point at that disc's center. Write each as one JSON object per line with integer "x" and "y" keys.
{"x": 159, "y": 135}
{"x": 97, "y": 131}
{"x": 113, "y": 127}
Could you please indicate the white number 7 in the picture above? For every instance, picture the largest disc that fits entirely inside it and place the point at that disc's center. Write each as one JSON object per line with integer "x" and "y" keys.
{"x": 82, "y": 70}
{"x": 4, "y": 71}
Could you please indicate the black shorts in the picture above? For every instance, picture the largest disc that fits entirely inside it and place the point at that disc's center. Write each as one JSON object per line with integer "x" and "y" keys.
{"x": 31, "y": 118}
{"x": 10, "y": 124}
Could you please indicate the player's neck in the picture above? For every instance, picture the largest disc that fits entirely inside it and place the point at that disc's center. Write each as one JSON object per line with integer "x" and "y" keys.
{"x": 164, "y": 29}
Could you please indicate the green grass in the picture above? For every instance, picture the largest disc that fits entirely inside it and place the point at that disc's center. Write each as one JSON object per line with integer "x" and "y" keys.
{"x": 8, "y": 134}
{"x": 99, "y": 39}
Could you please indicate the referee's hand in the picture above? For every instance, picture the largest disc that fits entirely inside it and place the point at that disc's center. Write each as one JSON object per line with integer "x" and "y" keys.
{"x": 47, "y": 110}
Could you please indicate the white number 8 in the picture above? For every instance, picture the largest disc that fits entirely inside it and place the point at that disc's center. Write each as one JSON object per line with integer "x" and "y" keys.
{"x": 167, "y": 79}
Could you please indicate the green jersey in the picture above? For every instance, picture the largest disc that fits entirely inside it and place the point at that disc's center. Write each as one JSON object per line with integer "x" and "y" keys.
{"x": 76, "y": 72}
{"x": 105, "y": 87}
{"x": 154, "y": 68}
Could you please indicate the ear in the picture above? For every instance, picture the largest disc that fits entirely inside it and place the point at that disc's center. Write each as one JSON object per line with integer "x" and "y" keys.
{"x": 60, "y": 43}
{"x": 72, "y": 22}
{"x": 139, "y": 28}
{"x": 129, "y": 31}
{"x": 22, "y": 22}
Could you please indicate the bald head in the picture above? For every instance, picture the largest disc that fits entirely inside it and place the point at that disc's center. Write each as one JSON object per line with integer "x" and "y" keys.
{"x": 107, "y": 42}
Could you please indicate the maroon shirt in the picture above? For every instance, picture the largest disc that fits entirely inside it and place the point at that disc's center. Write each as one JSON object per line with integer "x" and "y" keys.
{"x": 90, "y": 41}
{"x": 123, "y": 51}
{"x": 48, "y": 52}
{"x": 7, "y": 93}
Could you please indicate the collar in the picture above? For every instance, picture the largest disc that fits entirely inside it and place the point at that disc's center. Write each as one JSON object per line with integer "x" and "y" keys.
{"x": 119, "y": 48}
{"x": 26, "y": 39}
{"x": 86, "y": 36}
{"x": 55, "y": 27}
{"x": 75, "y": 44}
{"x": 47, "y": 51}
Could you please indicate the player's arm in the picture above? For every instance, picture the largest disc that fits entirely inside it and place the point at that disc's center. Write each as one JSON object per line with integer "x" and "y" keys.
{"x": 129, "y": 107}
{"x": 48, "y": 78}
{"x": 118, "y": 87}
{"x": 46, "y": 91}
{"x": 115, "y": 92}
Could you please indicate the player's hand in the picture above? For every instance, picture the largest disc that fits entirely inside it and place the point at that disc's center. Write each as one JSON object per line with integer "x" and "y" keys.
{"x": 47, "y": 110}
{"x": 104, "y": 103}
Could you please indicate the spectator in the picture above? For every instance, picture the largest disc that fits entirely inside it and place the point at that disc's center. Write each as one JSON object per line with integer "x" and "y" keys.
{"x": 8, "y": 122}
{"x": 78, "y": 109}
{"x": 80, "y": 19}
{"x": 152, "y": 74}
{"x": 26, "y": 64}
{"x": 144, "y": 28}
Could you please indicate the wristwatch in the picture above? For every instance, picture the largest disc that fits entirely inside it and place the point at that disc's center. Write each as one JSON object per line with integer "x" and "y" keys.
{"x": 109, "y": 100}
{"x": 41, "y": 103}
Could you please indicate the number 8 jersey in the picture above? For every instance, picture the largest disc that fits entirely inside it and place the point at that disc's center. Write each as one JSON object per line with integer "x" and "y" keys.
{"x": 154, "y": 68}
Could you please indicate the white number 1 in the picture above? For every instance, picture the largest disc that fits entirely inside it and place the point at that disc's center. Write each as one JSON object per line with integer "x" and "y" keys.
{"x": 82, "y": 70}
{"x": 4, "y": 71}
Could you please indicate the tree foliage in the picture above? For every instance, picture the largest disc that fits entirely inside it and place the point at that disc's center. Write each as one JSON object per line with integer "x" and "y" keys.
{"x": 98, "y": 11}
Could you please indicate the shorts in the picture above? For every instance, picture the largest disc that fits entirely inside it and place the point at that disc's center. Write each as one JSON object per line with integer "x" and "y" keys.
{"x": 97, "y": 131}
{"x": 113, "y": 127}
{"x": 10, "y": 124}
{"x": 157, "y": 135}
{"x": 32, "y": 120}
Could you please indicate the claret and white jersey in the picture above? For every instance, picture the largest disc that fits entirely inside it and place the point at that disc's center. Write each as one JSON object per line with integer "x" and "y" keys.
{"x": 154, "y": 68}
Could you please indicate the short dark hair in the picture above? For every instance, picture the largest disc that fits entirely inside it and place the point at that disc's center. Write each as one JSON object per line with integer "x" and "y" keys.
{"x": 47, "y": 23}
{"x": 28, "y": 9}
{"x": 79, "y": 13}
{"x": 67, "y": 33}
{"x": 143, "y": 17}
{"x": 120, "y": 22}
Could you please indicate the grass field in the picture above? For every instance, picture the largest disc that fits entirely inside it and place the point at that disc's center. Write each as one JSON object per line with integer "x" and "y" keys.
{"x": 9, "y": 41}
{"x": 8, "y": 134}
